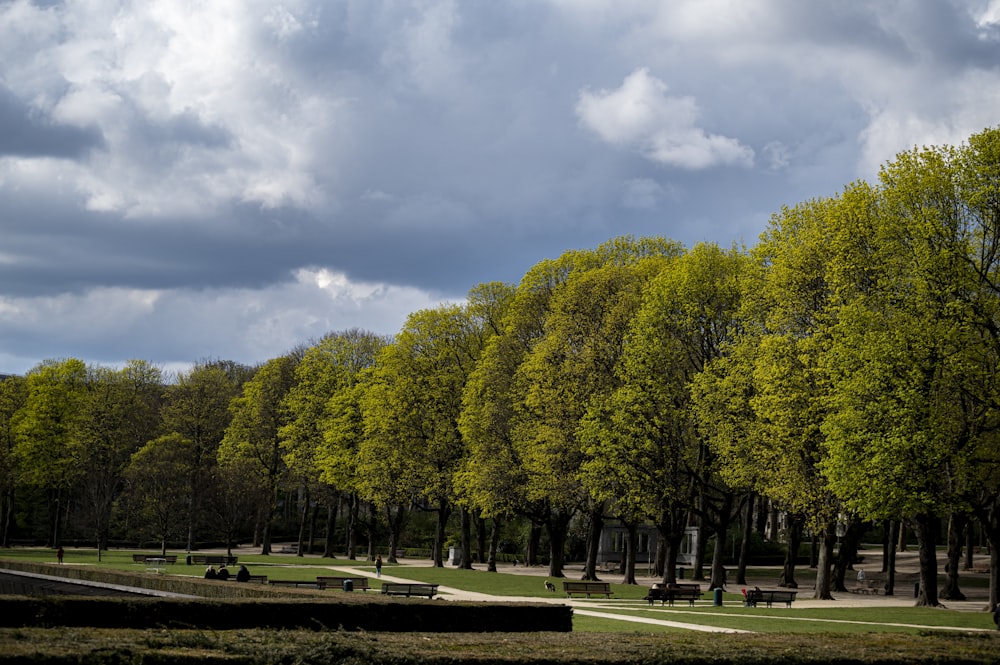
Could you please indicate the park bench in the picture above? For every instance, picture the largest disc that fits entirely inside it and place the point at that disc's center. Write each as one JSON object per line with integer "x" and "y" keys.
{"x": 397, "y": 589}
{"x": 328, "y": 581}
{"x": 869, "y": 586}
{"x": 768, "y": 597}
{"x": 254, "y": 579}
{"x": 668, "y": 594}
{"x": 298, "y": 584}
{"x": 587, "y": 588}
{"x": 143, "y": 558}
{"x": 213, "y": 559}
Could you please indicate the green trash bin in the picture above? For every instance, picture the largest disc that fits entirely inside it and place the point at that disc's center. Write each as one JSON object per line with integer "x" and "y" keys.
{"x": 717, "y": 597}
{"x": 348, "y": 585}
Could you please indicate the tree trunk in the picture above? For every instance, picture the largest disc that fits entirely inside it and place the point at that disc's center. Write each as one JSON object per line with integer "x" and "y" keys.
{"x": 593, "y": 541}
{"x": 534, "y": 542}
{"x": 741, "y": 567}
{"x": 466, "y": 539}
{"x": 824, "y": 564}
{"x": 699, "y": 552}
{"x": 7, "y": 517}
{"x": 890, "y": 569}
{"x": 787, "y": 578}
{"x": 848, "y": 552}
{"x": 957, "y": 524}
{"x": 311, "y": 535}
{"x": 927, "y": 595}
{"x": 443, "y": 512}
{"x": 659, "y": 562}
{"x": 331, "y": 527}
{"x": 989, "y": 521}
{"x": 351, "y": 527}
{"x": 630, "y": 553}
{"x": 395, "y": 522}
{"x": 303, "y": 519}
{"x": 491, "y": 562}
{"x": 557, "y": 526}
{"x": 481, "y": 539}
{"x": 718, "y": 557}
{"x": 970, "y": 544}
{"x": 671, "y": 529}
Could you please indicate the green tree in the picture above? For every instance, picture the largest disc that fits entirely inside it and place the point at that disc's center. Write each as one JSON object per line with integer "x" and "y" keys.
{"x": 689, "y": 314}
{"x": 412, "y": 447}
{"x": 902, "y": 357}
{"x": 157, "y": 490}
{"x": 13, "y": 397}
{"x": 568, "y": 374}
{"x": 978, "y": 184}
{"x": 47, "y": 430}
{"x": 118, "y": 415}
{"x": 497, "y": 418}
{"x": 252, "y": 439}
{"x": 761, "y": 403}
{"x": 326, "y": 375}
{"x": 196, "y": 407}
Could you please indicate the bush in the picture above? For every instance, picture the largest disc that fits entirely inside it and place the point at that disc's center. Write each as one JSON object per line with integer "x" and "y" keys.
{"x": 376, "y": 615}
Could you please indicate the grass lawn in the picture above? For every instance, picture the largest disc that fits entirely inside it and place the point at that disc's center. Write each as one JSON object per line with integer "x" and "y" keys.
{"x": 627, "y": 599}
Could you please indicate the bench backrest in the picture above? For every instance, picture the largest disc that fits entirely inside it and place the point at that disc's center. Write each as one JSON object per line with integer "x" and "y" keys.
{"x": 586, "y": 585}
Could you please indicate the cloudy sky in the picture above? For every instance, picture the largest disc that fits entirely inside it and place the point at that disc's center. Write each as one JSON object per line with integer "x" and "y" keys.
{"x": 191, "y": 179}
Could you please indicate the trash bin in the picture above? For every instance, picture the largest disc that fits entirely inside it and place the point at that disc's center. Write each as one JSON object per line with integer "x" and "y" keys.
{"x": 680, "y": 573}
{"x": 188, "y": 559}
{"x": 717, "y": 597}
{"x": 348, "y": 585}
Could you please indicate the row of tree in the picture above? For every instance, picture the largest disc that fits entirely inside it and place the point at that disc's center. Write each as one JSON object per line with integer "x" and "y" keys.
{"x": 845, "y": 369}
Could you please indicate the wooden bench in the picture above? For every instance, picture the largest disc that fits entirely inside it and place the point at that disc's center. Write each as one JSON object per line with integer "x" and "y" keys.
{"x": 298, "y": 584}
{"x": 325, "y": 581}
{"x": 213, "y": 559}
{"x": 396, "y": 589}
{"x": 587, "y": 588}
{"x": 768, "y": 596}
{"x": 668, "y": 594}
{"x": 166, "y": 558}
{"x": 254, "y": 579}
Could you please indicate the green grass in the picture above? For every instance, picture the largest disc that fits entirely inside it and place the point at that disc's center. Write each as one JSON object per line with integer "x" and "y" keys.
{"x": 626, "y": 598}
{"x": 854, "y": 620}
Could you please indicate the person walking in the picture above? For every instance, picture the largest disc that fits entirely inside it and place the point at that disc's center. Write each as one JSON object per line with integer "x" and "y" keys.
{"x": 378, "y": 565}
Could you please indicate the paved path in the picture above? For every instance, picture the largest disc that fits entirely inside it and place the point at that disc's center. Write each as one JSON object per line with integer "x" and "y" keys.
{"x": 593, "y": 608}
{"x": 579, "y": 607}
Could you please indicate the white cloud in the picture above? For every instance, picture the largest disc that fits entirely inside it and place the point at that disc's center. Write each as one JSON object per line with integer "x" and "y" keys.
{"x": 641, "y": 116}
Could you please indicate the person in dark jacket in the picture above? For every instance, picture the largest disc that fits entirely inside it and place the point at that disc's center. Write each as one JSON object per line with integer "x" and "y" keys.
{"x": 210, "y": 573}
{"x": 223, "y": 573}
{"x": 243, "y": 575}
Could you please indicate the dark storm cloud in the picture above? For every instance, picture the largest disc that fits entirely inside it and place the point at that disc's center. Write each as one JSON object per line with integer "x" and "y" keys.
{"x": 324, "y": 165}
{"x": 25, "y": 133}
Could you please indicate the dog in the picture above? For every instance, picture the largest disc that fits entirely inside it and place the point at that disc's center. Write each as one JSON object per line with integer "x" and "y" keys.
{"x": 550, "y": 586}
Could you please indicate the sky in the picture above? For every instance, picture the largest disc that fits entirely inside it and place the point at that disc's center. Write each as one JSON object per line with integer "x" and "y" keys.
{"x": 194, "y": 180}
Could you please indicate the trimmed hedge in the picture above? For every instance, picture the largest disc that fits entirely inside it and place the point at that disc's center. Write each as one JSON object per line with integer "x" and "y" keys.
{"x": 394, "y": 616}
{"x": 231, "y": 605}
